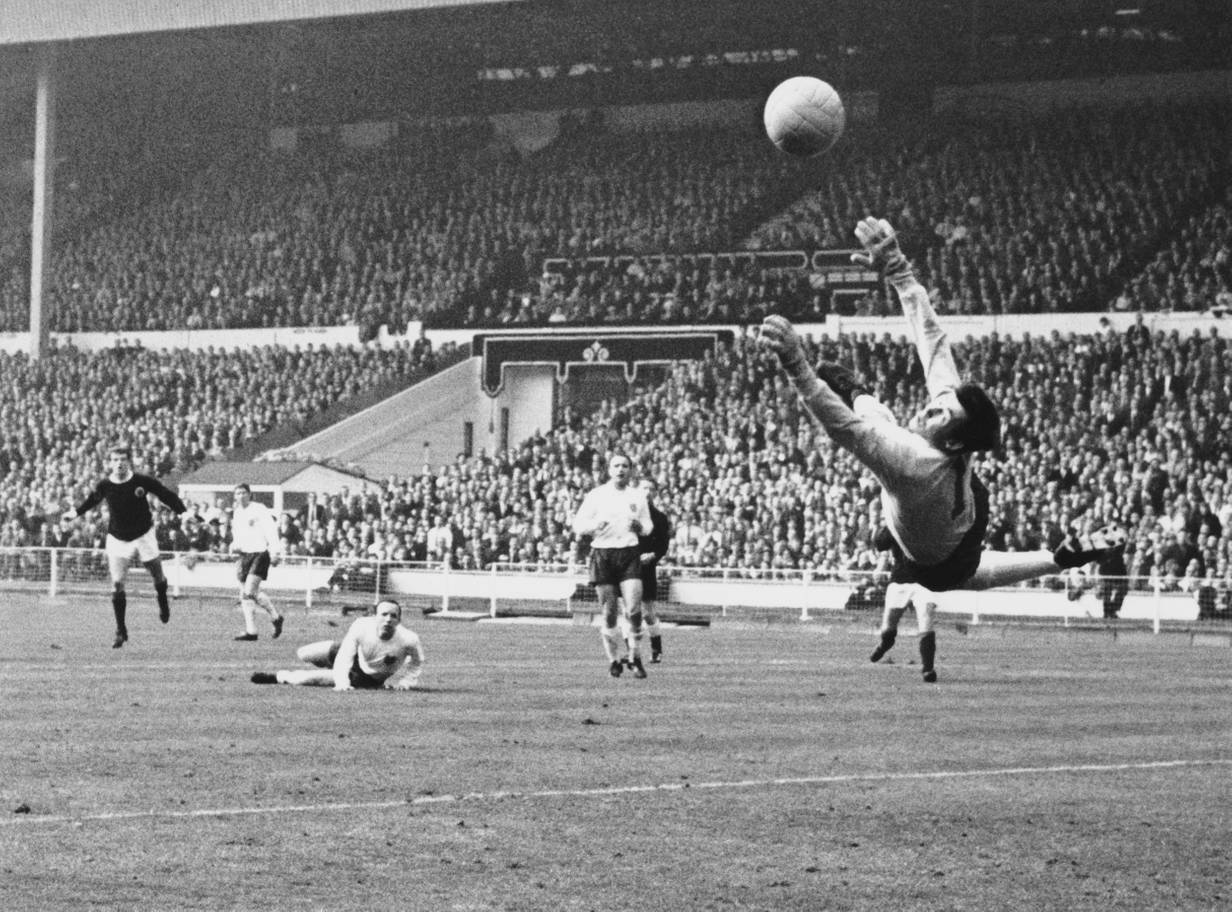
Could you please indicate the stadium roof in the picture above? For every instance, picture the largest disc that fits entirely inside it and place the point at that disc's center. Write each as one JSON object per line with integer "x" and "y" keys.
{"x": 24, "y": 22}
{"x": 223, "y": 473}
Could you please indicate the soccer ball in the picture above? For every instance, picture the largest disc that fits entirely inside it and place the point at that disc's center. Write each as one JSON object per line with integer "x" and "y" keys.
{"x": 804, "y": 116}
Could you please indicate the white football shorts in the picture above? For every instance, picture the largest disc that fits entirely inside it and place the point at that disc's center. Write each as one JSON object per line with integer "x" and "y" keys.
{"x": 143, "y": 549}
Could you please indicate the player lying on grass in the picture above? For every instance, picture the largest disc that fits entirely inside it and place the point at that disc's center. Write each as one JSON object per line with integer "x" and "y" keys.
{"x": 377, "y": 652}
{"x": 935, "y": 507}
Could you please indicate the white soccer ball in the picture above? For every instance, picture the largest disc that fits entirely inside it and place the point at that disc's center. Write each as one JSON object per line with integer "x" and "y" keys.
{"x": 804, "y": 116}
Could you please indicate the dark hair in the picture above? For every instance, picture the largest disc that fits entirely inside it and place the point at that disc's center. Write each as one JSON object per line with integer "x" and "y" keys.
{"x": 243, "y": 486}
{"x": 389, "y": 601}
{"x": 982, "y": 429}
{"x": 121, "y": 448}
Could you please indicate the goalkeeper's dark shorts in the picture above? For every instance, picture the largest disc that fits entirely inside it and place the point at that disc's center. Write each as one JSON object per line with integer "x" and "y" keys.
{"x": 962, "y": 563}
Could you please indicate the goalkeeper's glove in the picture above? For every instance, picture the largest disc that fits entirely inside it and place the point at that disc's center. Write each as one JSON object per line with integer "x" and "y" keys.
{"x": 881, "y": 250}
{"x": 778, "y": 334}
{"x": 842, "y": 381}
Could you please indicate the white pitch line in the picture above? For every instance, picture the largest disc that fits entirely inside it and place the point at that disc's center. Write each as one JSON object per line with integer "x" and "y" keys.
{"x": 467, "y": 797}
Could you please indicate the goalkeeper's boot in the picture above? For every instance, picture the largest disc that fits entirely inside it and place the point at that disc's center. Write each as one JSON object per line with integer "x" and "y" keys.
{"x": 930, "y": 677}
{"x": 887, "y": 643}
{"x": 639, "y": 670}
{"x": 245, "y": 638}
{"x": 121, "y": 637}
{"x": 264, "y": 677}
{"x": 617, "y": 668}
{"x": 1076, "y": 550}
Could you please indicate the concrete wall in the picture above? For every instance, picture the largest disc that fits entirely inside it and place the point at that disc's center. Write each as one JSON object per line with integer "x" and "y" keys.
{"x": 299, "y": 577}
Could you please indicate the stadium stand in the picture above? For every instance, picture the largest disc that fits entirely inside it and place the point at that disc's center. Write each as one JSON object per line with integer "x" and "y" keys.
{"x": 1124, "y": 426}
{"x": 451, "y": 227}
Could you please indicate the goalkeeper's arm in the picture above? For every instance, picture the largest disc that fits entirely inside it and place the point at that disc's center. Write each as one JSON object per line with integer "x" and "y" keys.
{"x": 882, "y": 253}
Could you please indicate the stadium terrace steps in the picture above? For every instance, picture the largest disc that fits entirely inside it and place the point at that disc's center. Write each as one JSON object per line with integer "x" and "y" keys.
{"x": 389, "y": 438}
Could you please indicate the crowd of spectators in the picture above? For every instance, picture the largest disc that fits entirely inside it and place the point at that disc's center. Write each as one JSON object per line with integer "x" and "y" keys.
{"x": 1116, "y": 426}
{"x": 60, "y": 413}
{"x": 1074, "y": 210}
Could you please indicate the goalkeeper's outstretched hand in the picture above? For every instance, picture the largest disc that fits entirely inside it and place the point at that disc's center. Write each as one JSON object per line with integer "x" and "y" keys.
{"x": 881, "y": 250}
{"x": 781, "y": 337}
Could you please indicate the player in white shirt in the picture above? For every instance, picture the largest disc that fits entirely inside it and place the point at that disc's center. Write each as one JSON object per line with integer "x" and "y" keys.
{"x": 614, "y": 514}
{"x": 376, "y": 653}
{"x": 936, "y": 509}
{"x": 254, "y": 537}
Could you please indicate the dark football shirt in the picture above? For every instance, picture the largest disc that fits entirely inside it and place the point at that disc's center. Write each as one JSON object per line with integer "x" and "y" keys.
{"x": 128, "y": 506}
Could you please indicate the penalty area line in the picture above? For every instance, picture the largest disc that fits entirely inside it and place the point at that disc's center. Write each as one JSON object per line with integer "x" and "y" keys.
{"x": 503, "y": 795}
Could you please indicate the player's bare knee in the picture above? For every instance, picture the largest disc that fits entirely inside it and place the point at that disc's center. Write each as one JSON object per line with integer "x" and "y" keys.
{"x": 924, "y": 613}
{"x": 319, "y": 653}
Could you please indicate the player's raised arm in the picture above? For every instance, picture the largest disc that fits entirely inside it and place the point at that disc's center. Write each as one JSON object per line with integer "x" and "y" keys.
{"x": 882, "y": 253}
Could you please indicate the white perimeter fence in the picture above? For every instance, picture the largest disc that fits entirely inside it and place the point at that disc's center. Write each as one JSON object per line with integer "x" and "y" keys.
{"x": 686, "y": 593}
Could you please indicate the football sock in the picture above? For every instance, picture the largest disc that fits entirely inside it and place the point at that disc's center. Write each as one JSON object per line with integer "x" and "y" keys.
{"x": 636, "y": 641}
{"x": 611, "y": 643}
{"x": 119, "y": 606}
{"x": 656, "y": 645}
{"x": 249, "y": 608}
{"x": 164, "y": 607}
{"x": 887, "y": 643}
{"x": 928, "y": 650}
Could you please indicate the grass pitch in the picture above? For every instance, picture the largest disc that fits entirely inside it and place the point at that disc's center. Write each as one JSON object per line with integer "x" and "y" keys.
{"x": 767, "y": 767}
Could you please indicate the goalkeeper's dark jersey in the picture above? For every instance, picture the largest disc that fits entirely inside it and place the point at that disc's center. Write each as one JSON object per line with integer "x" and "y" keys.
{"x": 128, "y": 505}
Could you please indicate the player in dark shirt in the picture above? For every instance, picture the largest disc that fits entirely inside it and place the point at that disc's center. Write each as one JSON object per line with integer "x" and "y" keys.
{"x": 652, "y": 548}
{"x": 130, "y": 530}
